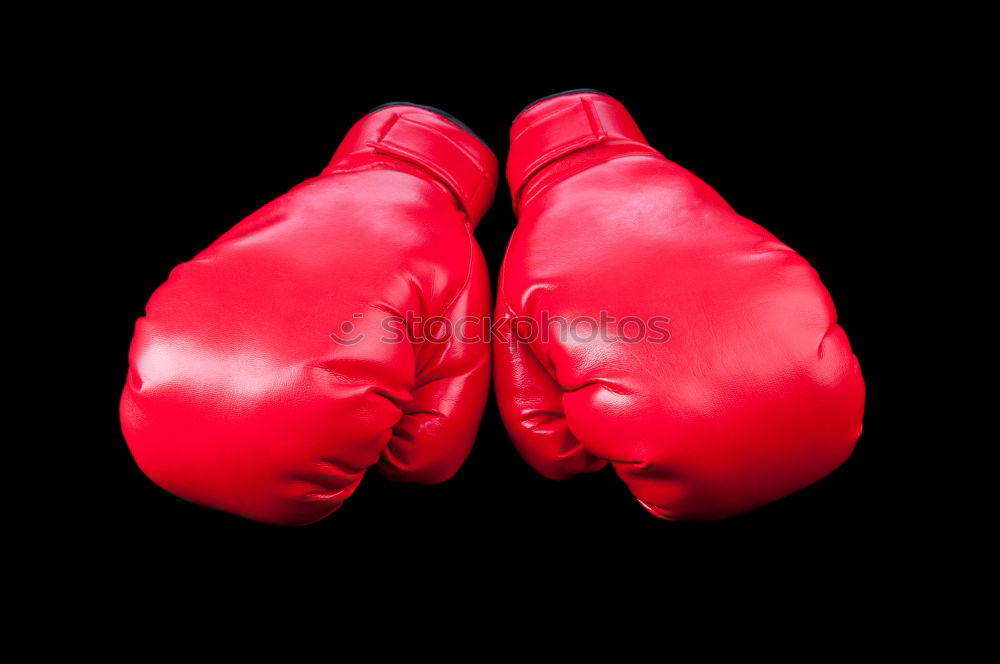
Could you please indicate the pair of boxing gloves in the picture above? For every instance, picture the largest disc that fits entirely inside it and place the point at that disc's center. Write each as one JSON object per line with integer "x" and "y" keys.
{"x": 638, "y": 321}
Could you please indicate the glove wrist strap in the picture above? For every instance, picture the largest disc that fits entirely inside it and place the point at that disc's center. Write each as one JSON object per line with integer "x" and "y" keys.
{"x": 428, "y": 139}
{"x": 562, "y": 125}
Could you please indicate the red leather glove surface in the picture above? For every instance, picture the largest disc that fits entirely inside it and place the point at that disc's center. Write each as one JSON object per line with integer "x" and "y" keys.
{"x": 748, "y": 393}
{"x": 237, "y": 396}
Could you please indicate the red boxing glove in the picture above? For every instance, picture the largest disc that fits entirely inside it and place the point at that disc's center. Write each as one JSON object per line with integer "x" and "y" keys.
{"x": 275, "y": 367}
{"x": 654, "y": 328}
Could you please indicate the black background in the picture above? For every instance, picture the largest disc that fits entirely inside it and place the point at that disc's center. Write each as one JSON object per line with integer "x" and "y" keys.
{"x": 800, "y": 141}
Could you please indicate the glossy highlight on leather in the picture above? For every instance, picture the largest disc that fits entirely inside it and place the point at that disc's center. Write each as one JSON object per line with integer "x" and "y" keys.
{"x": 240, "y": 397}
{"x": 755, "y": 394}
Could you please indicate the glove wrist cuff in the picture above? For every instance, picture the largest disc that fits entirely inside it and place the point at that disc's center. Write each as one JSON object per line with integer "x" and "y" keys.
{"x": 560, "y": 127}
{"x": 430, "y": 139}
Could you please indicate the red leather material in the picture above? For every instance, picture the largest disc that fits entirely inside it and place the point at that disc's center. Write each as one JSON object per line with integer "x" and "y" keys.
{"x": 459, "y": 161}
{"x": 237, "y": 396}
{"x": 755, "y": 392}
{"x": 558, "y": 129}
